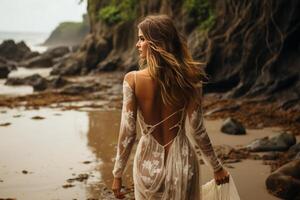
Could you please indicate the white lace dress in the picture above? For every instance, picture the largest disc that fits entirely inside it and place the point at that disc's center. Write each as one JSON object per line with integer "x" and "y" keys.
{"x": 177, "y": 178}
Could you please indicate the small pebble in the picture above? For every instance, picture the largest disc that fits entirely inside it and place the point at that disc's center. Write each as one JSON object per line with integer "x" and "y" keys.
{"x": 5, "y": 124}
{"x": 37, "y": 117}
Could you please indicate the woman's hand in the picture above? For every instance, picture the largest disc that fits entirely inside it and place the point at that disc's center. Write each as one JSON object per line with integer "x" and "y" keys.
{"x": 221, "y": 176}
{"x": 116, "y": 188}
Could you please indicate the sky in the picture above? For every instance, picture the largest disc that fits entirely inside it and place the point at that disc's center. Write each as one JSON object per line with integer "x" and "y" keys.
{"x": 38, "y": 15}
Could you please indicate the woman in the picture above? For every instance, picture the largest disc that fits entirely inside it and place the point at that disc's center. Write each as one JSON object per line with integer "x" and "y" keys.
{"x": 165, "y": 97}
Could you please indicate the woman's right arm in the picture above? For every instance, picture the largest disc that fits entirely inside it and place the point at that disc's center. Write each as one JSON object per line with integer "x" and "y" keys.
{"x": 127, "y": 133}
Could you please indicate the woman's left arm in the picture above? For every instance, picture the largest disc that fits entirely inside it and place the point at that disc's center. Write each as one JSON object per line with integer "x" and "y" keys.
{"x": 197, "y": 130}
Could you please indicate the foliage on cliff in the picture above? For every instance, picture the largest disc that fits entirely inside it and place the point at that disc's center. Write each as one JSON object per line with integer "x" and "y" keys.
{"x": 69, "y": 33}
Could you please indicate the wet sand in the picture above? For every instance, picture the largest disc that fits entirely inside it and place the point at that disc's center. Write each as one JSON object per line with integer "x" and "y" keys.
{"x": 38, "y": 156}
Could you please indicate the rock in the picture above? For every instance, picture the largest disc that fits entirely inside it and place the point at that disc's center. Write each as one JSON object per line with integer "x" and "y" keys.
{"x": 5, "y": 124}
{"x": 226, "y": 108}
{"x": 15, "y": 81}
{"x": 2, "y": 60}
{"x": 273, "y": 155}
{"x": 37, "y": 117}
{"x": 280, "y": 142}
{"x": 29, "y": 80}
{"x": 108, "y": 65}
{"x": 36, "y": 81}
{"x": 41, "y": 61}
{"x": 80, "y": 178}
{"x": 31, "y": 55}
{"x": 12, "y": 51}
{"x": 47, "y": 59}
{"x": 68, "y": 186}
{"x": 57, "y": 82}
{"x": 39, "y": 84}
{"x": 285, "y": 181}
{"x": 61, "y": 59}
{"x": 4, "y": 71}
{"x": 57, "y": 51}
{"x": 69, "y": 67}
{"x": 233, "y": 127}
{"x": 294, "y": 151}
{"x": 79, "y": 89}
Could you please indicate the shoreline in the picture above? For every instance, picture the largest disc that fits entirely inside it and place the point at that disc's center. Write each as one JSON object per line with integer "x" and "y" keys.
{"x": 250, "y": 113}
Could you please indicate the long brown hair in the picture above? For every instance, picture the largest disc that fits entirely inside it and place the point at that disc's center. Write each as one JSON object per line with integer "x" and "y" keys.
{"x": 169, "y": 61}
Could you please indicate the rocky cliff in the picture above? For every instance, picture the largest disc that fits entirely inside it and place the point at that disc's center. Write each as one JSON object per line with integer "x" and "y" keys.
{"x": 251, "y": 47}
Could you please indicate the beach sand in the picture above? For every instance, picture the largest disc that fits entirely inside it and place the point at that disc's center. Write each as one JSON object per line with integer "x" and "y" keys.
{"x": 55, "y": 154}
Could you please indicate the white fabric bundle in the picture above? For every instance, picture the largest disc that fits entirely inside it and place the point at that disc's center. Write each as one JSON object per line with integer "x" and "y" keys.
{"x": 212, "y": 191}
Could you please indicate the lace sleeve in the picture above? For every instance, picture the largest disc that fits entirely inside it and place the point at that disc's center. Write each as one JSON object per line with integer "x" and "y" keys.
{"x": 127, "y": 133}
{"x": 198, "y": 136}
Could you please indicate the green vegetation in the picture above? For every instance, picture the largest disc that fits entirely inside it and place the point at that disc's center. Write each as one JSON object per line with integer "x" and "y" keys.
{"x": 117, "y": 11}
{"x": 69, "y": 32}
{"x": 202, "y": 11}
{"x": 110, "y": 14}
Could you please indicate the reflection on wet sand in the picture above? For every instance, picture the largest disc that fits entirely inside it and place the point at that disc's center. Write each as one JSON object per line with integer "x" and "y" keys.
{"x": 51, "y": 151}
{"x": 102, "y": 139}
{"x": 38, "y": 157}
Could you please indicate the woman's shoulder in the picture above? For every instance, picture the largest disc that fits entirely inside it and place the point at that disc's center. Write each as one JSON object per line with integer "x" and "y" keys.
{"x": 130, "y": 78}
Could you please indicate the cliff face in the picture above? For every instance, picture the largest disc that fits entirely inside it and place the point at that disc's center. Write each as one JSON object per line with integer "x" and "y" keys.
{"x": 254, "y": 49}
{"x": 111, "y": 42}
{"x": 251, "y": 47}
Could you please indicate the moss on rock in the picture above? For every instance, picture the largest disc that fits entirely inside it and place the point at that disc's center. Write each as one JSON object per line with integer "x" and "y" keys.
{"x": 202, "y": 11}
{"x": 118, "y": 11}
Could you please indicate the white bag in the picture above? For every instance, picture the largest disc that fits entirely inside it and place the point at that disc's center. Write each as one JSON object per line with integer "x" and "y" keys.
{"x": 212, "y": 191}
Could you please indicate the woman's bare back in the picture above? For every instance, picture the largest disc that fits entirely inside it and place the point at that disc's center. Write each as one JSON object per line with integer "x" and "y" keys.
{"x": 154, "y": 111}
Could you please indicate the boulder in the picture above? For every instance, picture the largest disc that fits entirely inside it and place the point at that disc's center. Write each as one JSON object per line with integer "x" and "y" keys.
{"x": 285, "y": 181}
{"x": 41, "y": 61}
{"x": 39, "y": 84}
{"x": 57, "y": 51}
{"x": 57, "y": 82}
{"x": 46, "y": 59}
{"x": 273, "y": 155}
{"x": 280, "y": 142}
{"x": 11, "y": 65}
{"x": 4, "y": 70}
{"x": 294, "y": 151}
{"x": 14, "y": 51}
{"x": 69, "y": 67}
{"x": 108, "y": 65}
{"x": 31, "y": 55}
{"x": 79, "y": 89}
{"x": 3, "y": 60}
{"x": 29, "y": 80}
{"x": 233, "y": 127}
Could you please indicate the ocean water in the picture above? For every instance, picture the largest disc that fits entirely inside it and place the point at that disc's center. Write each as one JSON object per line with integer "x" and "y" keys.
{"x": 32, "y": 39}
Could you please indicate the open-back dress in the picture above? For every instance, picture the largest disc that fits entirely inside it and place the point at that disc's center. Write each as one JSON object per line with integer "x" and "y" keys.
{"x": 156, "y": 175}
